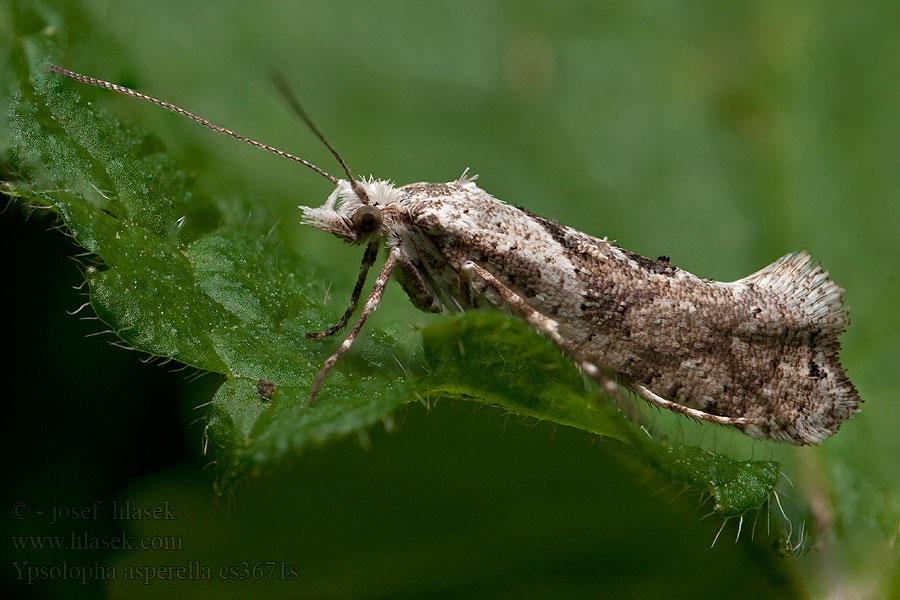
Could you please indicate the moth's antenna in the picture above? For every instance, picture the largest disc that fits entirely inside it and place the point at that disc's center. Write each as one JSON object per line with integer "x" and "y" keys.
{"x": 282, "y": 86}
{"x": 181, "y": 111}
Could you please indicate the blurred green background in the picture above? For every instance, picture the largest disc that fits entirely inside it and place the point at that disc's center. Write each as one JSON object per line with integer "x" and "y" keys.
{"x": 720, "y": 134}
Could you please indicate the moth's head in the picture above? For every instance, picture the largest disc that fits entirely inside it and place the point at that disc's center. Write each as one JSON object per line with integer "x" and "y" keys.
{"x": 355, "y": 210}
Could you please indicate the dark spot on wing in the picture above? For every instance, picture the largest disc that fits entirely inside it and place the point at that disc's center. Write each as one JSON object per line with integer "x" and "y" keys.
{"x": 812, "y": 337}
{"x": 556, "y": 231}
{"x": 814, "y": 370}
{"x": 660, "y": 266}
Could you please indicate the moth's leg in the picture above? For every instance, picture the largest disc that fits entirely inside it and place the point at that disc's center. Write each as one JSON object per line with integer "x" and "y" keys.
{"x": 536, "y": 319}
{"x": 465, "y": 287}
{"x": 692, "y": 412}
{"x": 419, "y": 291}
{"x": 611, "y": 387}
{"x": 367, "y": 261}
{"x": 550, "y": 328}
{"x": 371, "y": 304}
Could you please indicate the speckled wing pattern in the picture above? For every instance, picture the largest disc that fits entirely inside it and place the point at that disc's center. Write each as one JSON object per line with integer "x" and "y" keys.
{"x": 764, "y": 347}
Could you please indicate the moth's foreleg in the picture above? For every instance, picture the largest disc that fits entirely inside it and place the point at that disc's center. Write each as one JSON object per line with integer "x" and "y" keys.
{"x": 367, "y": 261}
{"x": 371, "y": 304}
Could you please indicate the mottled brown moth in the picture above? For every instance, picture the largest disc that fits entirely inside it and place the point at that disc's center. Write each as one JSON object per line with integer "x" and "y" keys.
{"x": 759, "y": 353}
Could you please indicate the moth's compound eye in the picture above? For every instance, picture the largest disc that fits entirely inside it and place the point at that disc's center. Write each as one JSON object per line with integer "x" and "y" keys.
{"x": 367, "y": 219}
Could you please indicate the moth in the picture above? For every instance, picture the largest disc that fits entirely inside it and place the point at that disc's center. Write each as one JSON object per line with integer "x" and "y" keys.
{"x": 759, "y": 353}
